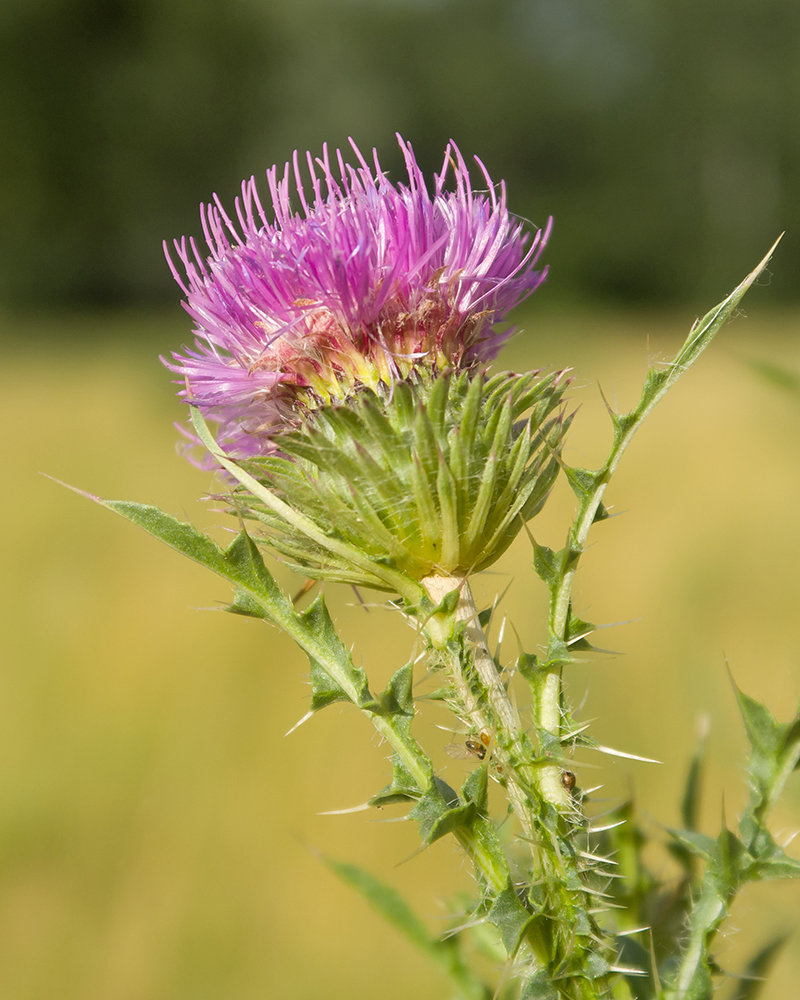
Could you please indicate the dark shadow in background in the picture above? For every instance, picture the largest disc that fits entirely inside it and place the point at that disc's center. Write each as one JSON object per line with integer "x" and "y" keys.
{"x": 663, "y": 135}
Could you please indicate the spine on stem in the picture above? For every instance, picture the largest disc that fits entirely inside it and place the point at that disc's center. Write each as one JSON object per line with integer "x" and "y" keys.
{"x": 567, "y": 945}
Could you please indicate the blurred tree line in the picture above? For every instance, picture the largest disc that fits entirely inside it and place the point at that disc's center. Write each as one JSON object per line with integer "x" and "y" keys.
{"x": 662, "y": 135}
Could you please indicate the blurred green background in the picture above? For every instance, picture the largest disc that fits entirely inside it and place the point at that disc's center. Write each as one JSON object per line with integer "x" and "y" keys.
{"x": 157, "y": 832}
{"x": 663, "y": 135}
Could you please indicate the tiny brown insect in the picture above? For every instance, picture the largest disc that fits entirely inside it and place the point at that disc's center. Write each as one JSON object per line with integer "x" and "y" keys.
{"x": 473, "y": 746}
{"x": 568, "y": 780}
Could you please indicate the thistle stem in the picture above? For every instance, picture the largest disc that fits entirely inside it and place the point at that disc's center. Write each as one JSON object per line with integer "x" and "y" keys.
{"x": 548, "y": 718}
{"x": 509, "y": 750}
{"x": 437, "y": 588}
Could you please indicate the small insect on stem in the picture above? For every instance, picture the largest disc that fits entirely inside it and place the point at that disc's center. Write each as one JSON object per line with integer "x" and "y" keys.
{"x": 473, "y": 746}
{"x": 568, "y": 780}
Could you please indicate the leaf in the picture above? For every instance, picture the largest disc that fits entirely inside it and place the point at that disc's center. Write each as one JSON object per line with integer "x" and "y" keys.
{"x": 451, "y": 820}
{"x": 511, "y": 918}
{"x": 539, "y": 986}
{"x": 772, "y": 862}
{"x": 754, "y": 976}
{"x": 257, "y": 593}
{"x": 432, "y": 807}
{"x": 317, "y": 621}
{"x": 601, "y": 514}
{"x": 440, "y": 811}
{"x": 324, "y": 689}
{"x": 700, "y": 986}
{"x": 774, "y": 755}
{"x": 576, "y": 631}
{"x": 582, "y": 481}
{"x": 777, "y": 867}
{"x": 397, "y": 698}
{"x": 243, "y": 604}
{"x": 730, "y": 866}
{"x": 528, "y": 666}
{"x": 699, "y": 844}
{"x": 386, "y": 901}
{"x": 485, "y": 618}
{"x": 690, "y": 804}
{"x": 394, "y": 794}
{"x": 476, "y": 788}
{"x": 658, "y": 382}
{"x": 546, "y": 563}
{"x": 396, "y": 706}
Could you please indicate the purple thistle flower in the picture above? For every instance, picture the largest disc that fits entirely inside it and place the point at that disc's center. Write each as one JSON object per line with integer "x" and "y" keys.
{"x": 367, "y": 282}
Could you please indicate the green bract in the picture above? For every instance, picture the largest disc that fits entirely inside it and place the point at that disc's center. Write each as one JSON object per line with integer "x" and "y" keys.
{"x": 434, "y": 476}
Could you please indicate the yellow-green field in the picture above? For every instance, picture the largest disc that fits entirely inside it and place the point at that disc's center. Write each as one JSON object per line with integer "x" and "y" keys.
{"x": 158, "y": 833}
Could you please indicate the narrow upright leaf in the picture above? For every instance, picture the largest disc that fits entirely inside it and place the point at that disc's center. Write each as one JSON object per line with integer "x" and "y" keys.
{"x": 386, "y": 901}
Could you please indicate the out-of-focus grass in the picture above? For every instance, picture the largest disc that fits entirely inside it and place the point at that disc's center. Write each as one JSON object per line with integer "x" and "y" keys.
{"x": 157, "y": 830}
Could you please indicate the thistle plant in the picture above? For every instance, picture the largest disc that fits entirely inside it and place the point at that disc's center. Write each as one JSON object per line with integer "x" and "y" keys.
{"x": 340, "y": 384}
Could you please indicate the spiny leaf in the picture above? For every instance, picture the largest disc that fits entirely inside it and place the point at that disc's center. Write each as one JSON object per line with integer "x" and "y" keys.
{"x": 658, "y": 382}
{"x": 433, "y": 806}
{"x": 775, "y": 753}
{"x": 241, "y": 563}
{"x": 601, "y": 514}
{"x": 582, "y": 481}
{"x": 528, "y": 666}
{"x": 403, "y": 787}
{"x": 397, "y": 698}
{"x": 511, "y": 918}
{"x": 772, "y": 862}
{"x": 318, "y": 623}
{"x": 324, "y": 690}
{"x": 476, "y": 788}
{"x": 546, "y": 562}
{"x": 450, "y": 821}
{"x": 243, "y": 604}
{"x": 730, "y": 866}
{"x": 576, "y": 631}
{"x": 539, "y": 986}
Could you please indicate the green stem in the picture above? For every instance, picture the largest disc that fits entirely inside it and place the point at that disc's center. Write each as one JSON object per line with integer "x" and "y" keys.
{"x": 563, "y": 905}
{"x": 509, "y": 750}
{"x": 692, "y": 979}
{"x": 590, "y": 487}
{"x": 419, "y": 767}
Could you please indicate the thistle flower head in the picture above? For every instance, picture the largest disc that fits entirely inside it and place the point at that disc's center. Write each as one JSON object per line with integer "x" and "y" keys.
{"x": 365, "y": 283}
